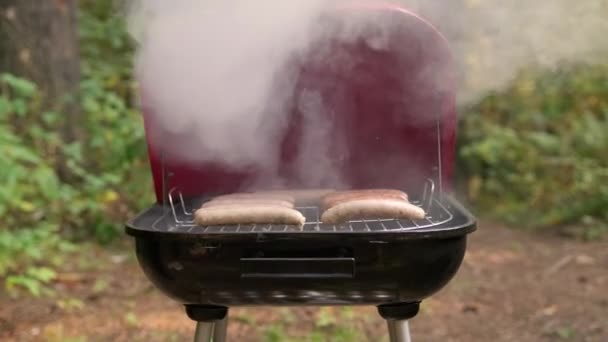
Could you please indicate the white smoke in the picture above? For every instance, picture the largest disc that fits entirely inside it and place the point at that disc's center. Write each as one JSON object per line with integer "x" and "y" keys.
{"x": 317, "y": 168}
{"x": 209, "y": 72}
{"x": 214, "y": 79}
{"x": 215, "y": 83}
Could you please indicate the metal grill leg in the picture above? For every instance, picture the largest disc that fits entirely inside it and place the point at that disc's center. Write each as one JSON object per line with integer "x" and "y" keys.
{"x": 399, "y": 330}
{"x": 204, "y": 331}
{"x": 220, "y": 330}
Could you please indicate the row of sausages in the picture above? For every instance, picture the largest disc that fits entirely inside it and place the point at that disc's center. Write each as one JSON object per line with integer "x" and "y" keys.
{"x": 278, "y": 207}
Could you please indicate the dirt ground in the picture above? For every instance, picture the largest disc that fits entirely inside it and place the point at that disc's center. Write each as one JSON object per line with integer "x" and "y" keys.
{"x": 513, "y": 286}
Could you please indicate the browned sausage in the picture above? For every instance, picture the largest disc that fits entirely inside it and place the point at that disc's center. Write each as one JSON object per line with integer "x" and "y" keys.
{"x": 260, "y": 214}
{"x": 333, "y": 199}
{"x": 371, "y": 209}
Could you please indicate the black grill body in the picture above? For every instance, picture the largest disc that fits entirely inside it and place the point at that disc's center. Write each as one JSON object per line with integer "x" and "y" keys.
{"x": 374, "y": 265}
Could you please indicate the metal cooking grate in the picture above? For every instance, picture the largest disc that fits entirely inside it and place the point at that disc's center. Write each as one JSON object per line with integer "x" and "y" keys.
{"x": 180, "y": 219}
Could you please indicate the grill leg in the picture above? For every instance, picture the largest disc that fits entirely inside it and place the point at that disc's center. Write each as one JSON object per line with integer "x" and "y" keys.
{"x": 220, "y": 330}
{"x": 397, "y": 316}
{"x": 399, "y": 331}
{"x": 204, "y": 331}
{"x": 211, "y": 322}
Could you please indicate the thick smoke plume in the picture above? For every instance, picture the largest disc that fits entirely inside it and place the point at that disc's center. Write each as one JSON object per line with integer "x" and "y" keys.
{"x": 215, "y": 82}
{"x": 213, "y": 71}
{"x": 209, "y": 73}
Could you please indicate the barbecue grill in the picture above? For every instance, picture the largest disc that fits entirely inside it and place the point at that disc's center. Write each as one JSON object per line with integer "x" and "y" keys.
{"x": 400, "y": 131}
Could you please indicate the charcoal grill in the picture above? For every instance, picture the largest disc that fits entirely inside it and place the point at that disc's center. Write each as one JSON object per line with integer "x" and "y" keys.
{"x": 400, "y": 132}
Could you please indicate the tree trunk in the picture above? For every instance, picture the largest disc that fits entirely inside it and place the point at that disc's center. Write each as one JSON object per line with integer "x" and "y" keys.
{"x": 39, "y": 41}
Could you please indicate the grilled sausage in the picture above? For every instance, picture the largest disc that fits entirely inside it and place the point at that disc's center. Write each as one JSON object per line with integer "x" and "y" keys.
{"x": 246, "y": 202}
{"x": 371, "y": 209}
{"x": 333, "y": 199}
{"x": 259, "y": 214}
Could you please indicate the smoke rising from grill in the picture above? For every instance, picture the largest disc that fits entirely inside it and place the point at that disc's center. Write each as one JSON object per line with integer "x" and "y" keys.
{"x": 215, "y": 83}
{"x": 209, "y": 71}
{"x": 212, "y": 71}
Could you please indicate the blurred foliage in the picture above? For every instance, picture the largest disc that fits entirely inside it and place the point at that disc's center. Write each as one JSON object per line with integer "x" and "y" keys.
{"x": 331, "y": 324}
{"x": 39, "y": 212}
{"x": 535, "y": 154}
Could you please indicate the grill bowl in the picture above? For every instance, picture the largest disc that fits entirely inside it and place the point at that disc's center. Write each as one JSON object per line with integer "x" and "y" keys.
{"x": 382, "y": 262}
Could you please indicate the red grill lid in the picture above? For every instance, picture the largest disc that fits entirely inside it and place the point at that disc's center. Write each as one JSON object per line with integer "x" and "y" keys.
{"x": 393, "y": 123}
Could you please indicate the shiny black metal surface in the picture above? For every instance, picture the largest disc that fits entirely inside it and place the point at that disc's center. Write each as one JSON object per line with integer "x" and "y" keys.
{"x": 162, "y": 221}
{"x": 317, "y": 268}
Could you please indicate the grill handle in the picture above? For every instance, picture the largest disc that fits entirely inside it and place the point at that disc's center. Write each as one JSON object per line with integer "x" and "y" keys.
{"x": 284, "y": 268}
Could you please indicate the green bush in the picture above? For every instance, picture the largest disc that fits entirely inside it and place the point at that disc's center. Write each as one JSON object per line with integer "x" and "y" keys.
{"x": 535, "y": 154}
{"x": 40, "y": 213}
{"x": 31, "y": 193}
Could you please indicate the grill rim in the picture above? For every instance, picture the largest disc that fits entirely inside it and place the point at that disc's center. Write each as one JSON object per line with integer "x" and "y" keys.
{"x": 463, "y": 223}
